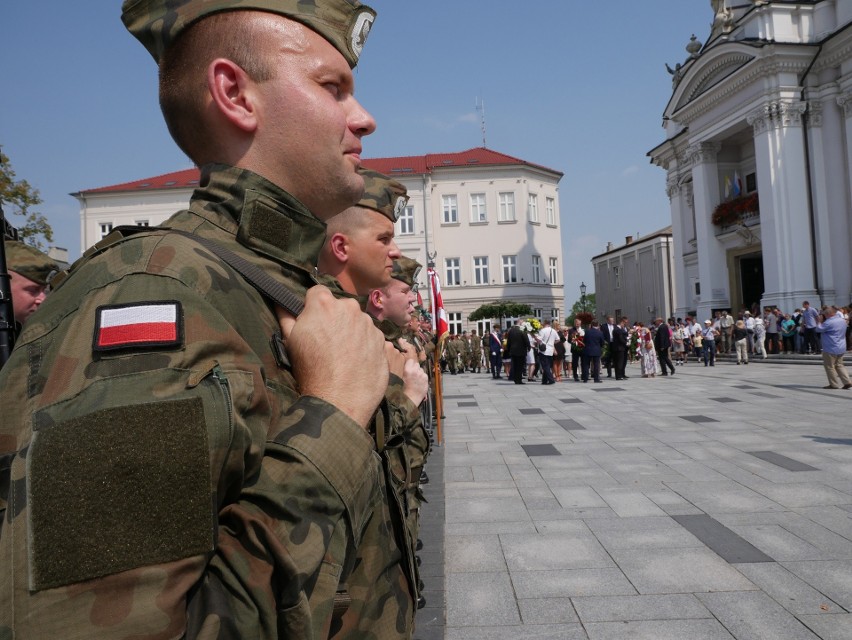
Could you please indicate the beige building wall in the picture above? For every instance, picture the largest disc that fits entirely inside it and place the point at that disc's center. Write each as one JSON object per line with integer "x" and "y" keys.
{"x": 505, "y": 210}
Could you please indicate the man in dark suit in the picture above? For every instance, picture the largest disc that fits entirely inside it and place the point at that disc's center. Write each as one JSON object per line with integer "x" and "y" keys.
{"x": 495, "y": 353}
{"x": 619, "y": 348}
{"x": 517, "y": 345}
{"x": 607, "y": 330}
{"x": 592, "y": 350}
{"x": 662, "y": 344}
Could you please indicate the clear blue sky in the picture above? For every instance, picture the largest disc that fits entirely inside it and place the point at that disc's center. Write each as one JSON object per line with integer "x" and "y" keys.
{"x": 579, "y": 86}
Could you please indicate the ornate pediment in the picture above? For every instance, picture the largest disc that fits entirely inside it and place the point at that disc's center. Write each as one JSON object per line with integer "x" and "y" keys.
{"x": 712, "y": 74}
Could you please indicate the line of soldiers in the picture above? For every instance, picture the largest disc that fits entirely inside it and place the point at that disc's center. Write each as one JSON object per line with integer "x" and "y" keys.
{"x": 463, "y": 353}
{"x": 182, "y": 452}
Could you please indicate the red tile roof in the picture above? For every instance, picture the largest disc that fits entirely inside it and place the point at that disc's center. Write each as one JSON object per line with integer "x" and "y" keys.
{"x": 400, "y": 166}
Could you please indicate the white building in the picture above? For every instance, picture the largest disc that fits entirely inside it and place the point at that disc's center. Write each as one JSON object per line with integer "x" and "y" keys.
{"x": 763, "y": 112}
{"x": 492, "y": 222}
{"x": 637, "y": 278}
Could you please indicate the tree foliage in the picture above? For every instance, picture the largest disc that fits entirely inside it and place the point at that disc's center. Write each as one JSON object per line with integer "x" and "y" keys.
{"x": 500, "y": 309}
{"x": 591, "y": 307}
{"x": 19, "y": 198}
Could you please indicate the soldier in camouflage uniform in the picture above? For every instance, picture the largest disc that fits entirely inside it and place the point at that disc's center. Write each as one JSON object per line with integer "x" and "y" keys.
{"x": 30, "y": 272}
{"x": 358, "y": 256}
{"x": 396, "y": 306}
{"x": 475, "y": 352}
{"x": 168, "y": 468}
{"x": 451, "y": 353}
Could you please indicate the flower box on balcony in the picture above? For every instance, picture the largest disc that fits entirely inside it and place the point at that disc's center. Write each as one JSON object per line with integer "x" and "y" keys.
{"x": 732, "y": 211}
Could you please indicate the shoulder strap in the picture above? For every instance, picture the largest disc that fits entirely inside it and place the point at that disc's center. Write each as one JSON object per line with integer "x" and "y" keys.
{"x": 254, "y": 275}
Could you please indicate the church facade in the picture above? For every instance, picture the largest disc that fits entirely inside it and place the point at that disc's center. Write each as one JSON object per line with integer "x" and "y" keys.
{"x": 758, "y": 158}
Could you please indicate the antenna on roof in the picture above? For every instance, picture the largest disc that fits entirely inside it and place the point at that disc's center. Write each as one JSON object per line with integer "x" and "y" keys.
{"x": 480, "y": 108}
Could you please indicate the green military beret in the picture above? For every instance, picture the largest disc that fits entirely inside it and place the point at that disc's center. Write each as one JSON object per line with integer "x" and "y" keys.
{"x": 29, "y": 262}
{"x": 406, "y": 270}
{"x": 158, "y": 23}
{"x": 383, "y": 194}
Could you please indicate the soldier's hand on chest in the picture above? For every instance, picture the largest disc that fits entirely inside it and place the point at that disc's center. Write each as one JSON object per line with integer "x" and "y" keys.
{"x": 355, "y": 383}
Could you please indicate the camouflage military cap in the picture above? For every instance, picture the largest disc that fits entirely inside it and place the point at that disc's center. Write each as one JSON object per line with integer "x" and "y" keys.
{"x": 383, "y": 194}
{"x": 406, "y": 270}
{"x": 158, "y": 23}
{"x": 29, "y": 262}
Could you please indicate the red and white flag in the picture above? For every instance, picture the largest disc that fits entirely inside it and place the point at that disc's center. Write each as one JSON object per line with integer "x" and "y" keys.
{"x": 439, "y": 316}
{"x": 147, "y": 324}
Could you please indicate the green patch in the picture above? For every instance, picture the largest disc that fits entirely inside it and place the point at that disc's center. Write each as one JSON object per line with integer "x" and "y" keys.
{"x": 119, "y": 488}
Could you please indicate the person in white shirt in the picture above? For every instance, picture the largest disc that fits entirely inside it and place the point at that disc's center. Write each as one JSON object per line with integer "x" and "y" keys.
{"x": 546, "y": 338}
{"x": 749, "y": 325}
{"x": 708, "y": 335}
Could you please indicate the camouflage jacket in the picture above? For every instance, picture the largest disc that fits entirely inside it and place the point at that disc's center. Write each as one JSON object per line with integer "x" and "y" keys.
{"x": 383, "y": 582}
{"x": 177, "y": 486}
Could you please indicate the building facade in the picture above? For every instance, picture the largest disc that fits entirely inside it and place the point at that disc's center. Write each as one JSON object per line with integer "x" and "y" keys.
{"x": 489, "y": 222}
{"x": 637, "y": 279}
{"x": 758, "y": 155}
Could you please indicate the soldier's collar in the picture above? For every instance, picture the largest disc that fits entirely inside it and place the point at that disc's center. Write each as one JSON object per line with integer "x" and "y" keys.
{"x": 268, "y": 220}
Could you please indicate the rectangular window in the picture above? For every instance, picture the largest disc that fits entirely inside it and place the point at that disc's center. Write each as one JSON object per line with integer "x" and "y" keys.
{"x": 406, "y": 222}
{"x": 536, "y": 268}
{"x": 532, "y": 207}
{"x": 616, "y": 276}
{"x": 751, "y": 182}
{"x": 697, "y": 288}
{"x": 451, "y": 209}
{"x": 554, "y": 270}
{"x": 453, "y": 272}
{"x": 510, "y": 269}
{"x": 477, "y": 208}
{"x": 550, "y": 211}
{"x": 537, "y": 313}
{"x": 106, "y": 229}
{"x": 454, "y": 320}
{"x": 484, "y": 327}
{"x": 480, "y": 270}
{"x": 507, "y": 206}
{"x": 142, "y": 223}
{"x": 554, "y": 314}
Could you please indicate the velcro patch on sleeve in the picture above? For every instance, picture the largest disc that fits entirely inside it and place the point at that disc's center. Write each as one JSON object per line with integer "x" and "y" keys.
{"x": 141, "y": 325}
{"x": 117, "y": 489}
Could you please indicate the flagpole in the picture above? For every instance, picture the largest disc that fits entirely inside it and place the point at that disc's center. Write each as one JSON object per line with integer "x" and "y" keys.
{"x": 439, "y": 392}
{"x": 436, "y": 304}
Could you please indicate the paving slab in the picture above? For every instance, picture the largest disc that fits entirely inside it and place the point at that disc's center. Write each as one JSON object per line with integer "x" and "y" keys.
{"x": 685, "y": 570}
{"x": 551, "y": 551}
{"x": 831, "y": 577}
{"x": 480, "y": 599}
{"x": 792, "y": 593}
{"x": 623, "y": 608}
{"x": 834, "y": 627}
{"x": 754, "y": 616}
{"x": 658, "y": 630}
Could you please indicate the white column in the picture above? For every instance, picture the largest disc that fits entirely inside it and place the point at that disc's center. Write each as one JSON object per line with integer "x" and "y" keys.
{"x": 712, "y": 263}
{"x": 679, "y": 241}
{"x": 785, "y": 227}
{"x": 820, "y": 175}
{"x": 845, "y": 103}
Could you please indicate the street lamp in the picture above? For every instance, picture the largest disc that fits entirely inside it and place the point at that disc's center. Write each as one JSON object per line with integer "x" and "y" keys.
{"x": 583, "y": 295}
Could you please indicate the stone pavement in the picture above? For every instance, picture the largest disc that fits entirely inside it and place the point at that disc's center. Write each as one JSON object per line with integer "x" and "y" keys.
{"x": 716, "y": 503}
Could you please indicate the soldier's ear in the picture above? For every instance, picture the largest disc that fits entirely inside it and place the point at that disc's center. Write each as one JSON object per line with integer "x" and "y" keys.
{"x": 339, "y": 245}
{"x": 376, "y": 298}
{"x": 233, "y": 94}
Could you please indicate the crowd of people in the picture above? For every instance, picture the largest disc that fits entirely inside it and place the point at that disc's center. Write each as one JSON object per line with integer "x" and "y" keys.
{"x": 529, "y": 350}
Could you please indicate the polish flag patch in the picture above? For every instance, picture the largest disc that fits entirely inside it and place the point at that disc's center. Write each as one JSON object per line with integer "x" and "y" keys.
{"x": 140, "y": 325}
